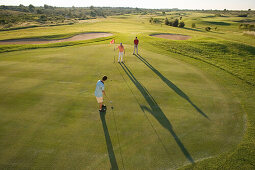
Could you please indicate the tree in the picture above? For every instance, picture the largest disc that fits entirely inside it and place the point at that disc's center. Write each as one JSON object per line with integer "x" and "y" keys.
{"x": 193, "y": 25}
{"x": 91, "y": 7}
{"x": 166, "y": 21}
{"x": 176, "y": 23}
{"x": 31, "y": 8}
{"x": 39, "y": 11}
{"x": 182, "y": 24}
{"x": 43, "y": 18}
{"x": 93, "y": 14}
{"x": 163, "y": 13}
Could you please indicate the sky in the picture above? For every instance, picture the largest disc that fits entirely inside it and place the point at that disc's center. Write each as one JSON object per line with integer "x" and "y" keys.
{"x": 181, "y": 4}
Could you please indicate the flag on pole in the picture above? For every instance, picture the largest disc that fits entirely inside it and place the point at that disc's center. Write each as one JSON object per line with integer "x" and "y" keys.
{"x": 112, "y": 42}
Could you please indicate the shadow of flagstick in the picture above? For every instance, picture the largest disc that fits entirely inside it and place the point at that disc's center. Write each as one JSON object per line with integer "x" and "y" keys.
{"x": 156, "y": 111}
{"x": 171, "y": 85}
{"x": 114, "y": 165}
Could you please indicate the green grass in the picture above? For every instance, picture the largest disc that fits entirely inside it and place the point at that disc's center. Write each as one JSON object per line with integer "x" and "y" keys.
{"x": 179, "y": 102}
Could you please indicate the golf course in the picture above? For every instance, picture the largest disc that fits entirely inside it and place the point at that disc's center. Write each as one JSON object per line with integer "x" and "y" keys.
{"x": 185, "y": 101}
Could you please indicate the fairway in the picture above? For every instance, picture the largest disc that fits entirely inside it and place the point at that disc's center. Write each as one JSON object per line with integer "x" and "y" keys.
{"x": 167, "y": 112}
{"x": 186, "y": 101}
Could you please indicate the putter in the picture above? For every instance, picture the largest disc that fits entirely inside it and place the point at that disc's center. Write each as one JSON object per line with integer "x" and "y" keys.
{"x": 109, "y": 101}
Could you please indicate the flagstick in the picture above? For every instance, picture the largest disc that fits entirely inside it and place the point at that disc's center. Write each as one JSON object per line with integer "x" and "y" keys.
{"x": 114, "y": 52}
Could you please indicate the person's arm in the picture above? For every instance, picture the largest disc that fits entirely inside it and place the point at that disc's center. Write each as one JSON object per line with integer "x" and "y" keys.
{"x": 124, "y": 50}
{"x": 103, "y": 92}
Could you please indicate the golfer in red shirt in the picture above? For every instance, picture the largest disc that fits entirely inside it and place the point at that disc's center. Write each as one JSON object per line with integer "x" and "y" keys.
{"x": 136, "y": 41}
{"x": 121, "y": 52}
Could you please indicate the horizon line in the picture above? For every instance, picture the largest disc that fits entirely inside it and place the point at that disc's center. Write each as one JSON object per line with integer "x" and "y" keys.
{"x": 137, "y": 7}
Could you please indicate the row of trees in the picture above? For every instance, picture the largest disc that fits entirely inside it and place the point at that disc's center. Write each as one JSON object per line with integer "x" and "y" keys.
{"x": 77, "y": 12}
{"x": 174, "y": 23}
{"x": 14, "y": 15}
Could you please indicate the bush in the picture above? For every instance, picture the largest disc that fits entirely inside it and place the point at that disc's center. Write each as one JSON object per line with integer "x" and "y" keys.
{"x": 176, "y": 23}
{"x": 193, "y": 25}
{"x": 208, "y": 28}
{"x": 156, "y": 20}
{"x": 182, "y": 24}
{"x": 170, "y": 23}
{"x": 151, "y": 20}
{"x": 251, "y": 27}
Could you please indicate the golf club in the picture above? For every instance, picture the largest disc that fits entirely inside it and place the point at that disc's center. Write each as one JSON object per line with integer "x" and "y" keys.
{"x": 109, "y": 101}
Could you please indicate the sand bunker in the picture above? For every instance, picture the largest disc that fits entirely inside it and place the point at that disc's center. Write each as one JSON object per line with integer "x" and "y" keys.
{"x": 83, "y": 36}
{"x": 172, "y": 36}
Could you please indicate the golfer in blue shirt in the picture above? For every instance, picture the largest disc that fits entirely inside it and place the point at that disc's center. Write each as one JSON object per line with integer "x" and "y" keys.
{"x": 100, "y": 91}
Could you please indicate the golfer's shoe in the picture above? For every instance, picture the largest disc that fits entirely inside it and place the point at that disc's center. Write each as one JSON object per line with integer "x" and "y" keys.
{"x": 104, "y": 108}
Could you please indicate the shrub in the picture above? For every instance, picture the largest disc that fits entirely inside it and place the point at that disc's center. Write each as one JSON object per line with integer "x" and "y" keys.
{"x": 156, "y": 20}
{"x": 182, "y": 24}
{"x": 176, "y": 23}
{"x": 251, "y": 27}
{"x": 208, "y": 28}
{"x": 240, "y": 26}
{"x": 193, "y": 25}
{"x": 170, "y": 23}
{"x": 151, "y": 20}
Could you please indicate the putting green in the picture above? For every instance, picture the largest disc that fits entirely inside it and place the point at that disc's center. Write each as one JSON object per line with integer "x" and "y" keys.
{"x": 167, "y": 113}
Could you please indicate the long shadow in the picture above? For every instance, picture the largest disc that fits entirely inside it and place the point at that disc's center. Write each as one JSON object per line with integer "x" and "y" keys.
{"x": 156, "y": 111}
{"x": 192, "y": 29}
{"x": 171, "y": 85}
{"x": 108, "y": 142}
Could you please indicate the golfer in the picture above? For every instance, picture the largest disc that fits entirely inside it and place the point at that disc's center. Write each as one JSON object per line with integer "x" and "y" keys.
{"x": 136, "y": 41}
{"x": 121, "y": 52}
{"x": 100, "y": 91}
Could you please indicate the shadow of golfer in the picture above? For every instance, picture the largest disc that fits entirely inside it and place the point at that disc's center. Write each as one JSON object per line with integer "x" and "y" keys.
{"x": 114, "y": 165}
{"x": 171, "y": 85}
{"x": 156, "y": 111}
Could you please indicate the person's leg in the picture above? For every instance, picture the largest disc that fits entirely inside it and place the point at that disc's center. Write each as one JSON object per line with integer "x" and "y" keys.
{"x": 119, "y": 56}
{"x": 137, "y": 49}
{"x": 134, "y": 50}
{"x": 100, "y": 102}
{"x": 100, "y": 106}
